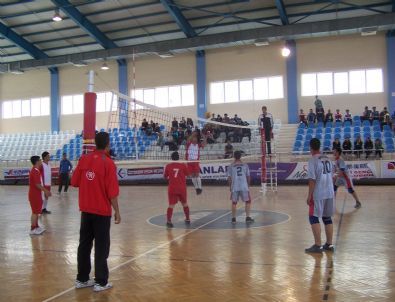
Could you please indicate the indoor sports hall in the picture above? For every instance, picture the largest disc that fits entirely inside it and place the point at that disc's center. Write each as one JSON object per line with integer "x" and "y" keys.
{"x": 223, "y": 150}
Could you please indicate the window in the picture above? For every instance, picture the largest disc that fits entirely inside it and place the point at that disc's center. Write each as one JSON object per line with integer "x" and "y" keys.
{"x": 174, "y": 96}
{"x": 187, "y": 95}
{"x": 374, "y": 80}
{"x": 231, "y": 92}
{"x": 149, "y": 96}
{"x": 162, "y": 97}
{"x": 26, "y": 108}
{"x": 276, "y": 90}
{"x": 72, "y": 104}
{"x": 246, "y": 90}
{"x": 217, "y": 93}
{"x": 324, "y": 83}
{"x": 16, "y": 109}
{"x": 45, "y": 107}
{"x": 309, "y": 84}
{"x": 261, "y": 90}
{"x": 101, "y": 102}
{"x": 7, "y": 109}
{"x": 340, "y": 80}
{"x": 357, "y": 81}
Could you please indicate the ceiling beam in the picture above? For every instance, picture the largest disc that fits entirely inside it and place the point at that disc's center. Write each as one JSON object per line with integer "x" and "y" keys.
{"x": 179, "y": 18}
{"x": 283, "y": 13}
{"x": 84, "y": 23}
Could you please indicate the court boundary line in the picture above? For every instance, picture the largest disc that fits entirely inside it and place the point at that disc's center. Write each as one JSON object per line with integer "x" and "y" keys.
{"x": 147, "y": 252}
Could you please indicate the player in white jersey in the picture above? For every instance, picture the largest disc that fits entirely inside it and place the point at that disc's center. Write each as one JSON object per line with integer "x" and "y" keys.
{"x": 193, "y": 154}
{"x": 320, "y": 198}
{"x": 46, "y": 175}
{"x": 239, "y": 179}
{"x": 342, "y": 177}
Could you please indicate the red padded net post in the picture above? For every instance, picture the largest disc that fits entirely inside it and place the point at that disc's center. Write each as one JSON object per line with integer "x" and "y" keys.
{"x": 89, "y": 122}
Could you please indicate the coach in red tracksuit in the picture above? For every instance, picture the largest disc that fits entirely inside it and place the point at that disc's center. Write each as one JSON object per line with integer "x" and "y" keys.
{"x": 96, "y": 178}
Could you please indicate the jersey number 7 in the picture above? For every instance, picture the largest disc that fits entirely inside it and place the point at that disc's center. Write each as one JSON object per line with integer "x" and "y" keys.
{"x": 176, "y": 172}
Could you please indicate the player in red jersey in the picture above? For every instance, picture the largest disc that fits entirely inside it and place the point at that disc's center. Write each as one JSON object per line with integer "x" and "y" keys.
{"x": 35, "y": 198}
{"x": 176, "y": 174}
{"x": 193, "y": 154}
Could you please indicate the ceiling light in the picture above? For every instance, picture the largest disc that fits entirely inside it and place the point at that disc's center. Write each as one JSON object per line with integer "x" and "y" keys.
{"x": 17, "y": 71}
{"x": 79, "y": 64}
{"x": 165, "y": 55}
{"x": 57, "y": 17}
{"x": 285, "y": 52}
{"x": 104, "y": 66}
{"x": 261, "y": 42}
{"x": 369, "y": 31}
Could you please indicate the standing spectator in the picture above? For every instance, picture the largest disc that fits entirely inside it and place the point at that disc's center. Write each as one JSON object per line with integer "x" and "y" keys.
{"x": 183, "y": 123}
{"x": 210, "y": 137}
{"x": 265, "y": 123}
{"x": 228, "y": 149}
{"x": 161, "y": 141}
{"x": 338, "y": 116}
{"x": 358, "y": 144}
{"x": 174, "y": 123}
{"x": 375, "y": 114}
{"x": 336, "y": 144}
{"x": 96, "y": 178}
{"x": 329, "y": 117}
{"x": 348, "y": 116}
{"x": 378, "y": 146}
{"x": 189, "y": 123}
{"x": 311, "y": 117}
{"x": 302, "y": 117}
{"x": 46, "y": 175}
{"x": 382, "y": 114}
{"x": 367, "y": 114}
{"x": 318, "y": 105}
{"x": 368, "y": 146}
{"x": 144, "y": 125}
{"x": 65, "y": 168}
{"x": 320, "y": 115}
{"x": 347, "y": 146}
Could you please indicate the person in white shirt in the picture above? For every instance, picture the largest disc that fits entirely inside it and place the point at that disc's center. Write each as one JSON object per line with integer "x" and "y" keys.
{"x": 265, "y": 122}
{"x": 46, "y": 175}
{"x": 321, "y": 197}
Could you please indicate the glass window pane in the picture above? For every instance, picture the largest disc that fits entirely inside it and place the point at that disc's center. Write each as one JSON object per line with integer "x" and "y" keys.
{"x": 246, "y": 91}
{"x": 261, "y": 90}
{"x": 187, "y": 95}
{"x": 231, "y": 91}
{"x": 101, "y": 102}
{"x": 357, "y": 81}
{"x": 45, "y": 106}
{"x": 16, "y": 109}
{"x": 35, "y": 107}
{"x": 217, "y": 93}
{"x": 341, "y": 82}
{"x": 149, "y": 96}
{"x": 26, "y": 108}
{"x": 139, "y": 95}
{"x": 374, "y": 80}
{"x": 78, "y": 104}
{"x": 174, "y": 96}
{"x": 162, "y": 97}
{"x": 114, "y": 99}
{"x": 7, "y": 109}
{"x": 276, "y": 89}
{"x": 309, "y": 84}
{"x": 324, "y": 83}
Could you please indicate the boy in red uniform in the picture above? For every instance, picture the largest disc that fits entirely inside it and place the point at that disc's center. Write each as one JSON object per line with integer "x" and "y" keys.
{"x": 35, "y": 198}
{"x": 193, "y": 154}
{"x": 176, "y": 174}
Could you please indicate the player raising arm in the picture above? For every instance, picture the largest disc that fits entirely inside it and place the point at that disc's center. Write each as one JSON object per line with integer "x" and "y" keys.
{"x": 193, "y": 154}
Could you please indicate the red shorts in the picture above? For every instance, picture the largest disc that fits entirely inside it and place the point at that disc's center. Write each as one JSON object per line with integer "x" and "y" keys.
{"x": 48, "y": 188}
{"x": 36, "y": 206}
{"x": 176, "y": 197}
{"x": 193, "y": 168}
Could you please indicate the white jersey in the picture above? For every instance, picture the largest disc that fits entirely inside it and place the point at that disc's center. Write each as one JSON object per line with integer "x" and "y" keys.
{"x": 47, "y": 174}
{"x": 239, "y": 173}
{"x": 320, "y": 169}
{"x": 193, "y": 151}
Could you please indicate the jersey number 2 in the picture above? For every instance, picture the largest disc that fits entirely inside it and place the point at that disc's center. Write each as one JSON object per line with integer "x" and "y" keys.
{"x": 239, "y": 171}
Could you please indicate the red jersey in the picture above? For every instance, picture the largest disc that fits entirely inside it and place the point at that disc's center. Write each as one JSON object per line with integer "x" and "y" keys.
{"x": 176, "y": 173}
{"x": 34, "y": 179}
{"x": 302, "y": 118}
{"x": 96, "y": 177}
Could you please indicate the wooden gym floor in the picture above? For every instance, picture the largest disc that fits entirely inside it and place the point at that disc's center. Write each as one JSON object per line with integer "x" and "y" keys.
{"x": 150, "y": 263}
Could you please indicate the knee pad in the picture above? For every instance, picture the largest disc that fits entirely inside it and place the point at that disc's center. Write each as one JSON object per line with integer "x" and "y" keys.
{"x": 327, "y": 220}
{"x": 335, "y": 188}
{"x": 313, "y": 220}
{"x": 350, "y": 190}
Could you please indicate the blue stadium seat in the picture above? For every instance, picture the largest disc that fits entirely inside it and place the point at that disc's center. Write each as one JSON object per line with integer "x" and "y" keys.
{"x": 338, "y": 130}
{"x": 328, "y": 125}
{"x": 347, "y": 130}
{"x": 308, "y": 137}
{"x": 328, "y": 136}
{"x": 376, "y": 123}
{"x": 387, "y": 128}
{"x": 356, "y": 118}
{"x": 357, "y": 123}
{"x": 387, "y": 134}
{"x": 338, "y": 124}
{"x": 300, "y": 131}
{"x": 320, "y": 125}
{"x": 337, "y": 135}
{"x": 311, "y": 125}
{"x": 310, "y": 131}
{"x": 299, "y": 137}
{"x": 377, "y": 135}
{"x": 366, "y": 123}
{"x": 347, "y": 124}
{"x": 319, "y": 131}
{"x": 319, "y": 136}
{"x": 297, "y": 144}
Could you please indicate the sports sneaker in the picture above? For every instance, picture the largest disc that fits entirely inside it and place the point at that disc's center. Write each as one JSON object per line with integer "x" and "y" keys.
{"x": 328, "y": 247}
{"x": 187, "y": 221}
{"x": 89, "y": 283}
{"x": 199, "y": 191}
{"x": 99, "y": 288}
{"x": 33, "y": 232}
{"x": 45, "y": 211}
{"x": 234, "y": 220}
{"x": 169, "y": 225}
{"x": 249, "y": 220}
{"x": 357, "y": 205}
{"x": 314, "y": 249}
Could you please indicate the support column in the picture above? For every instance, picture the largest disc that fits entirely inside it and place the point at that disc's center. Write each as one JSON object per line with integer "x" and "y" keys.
{"x": 292, "y": 83}
{"x": 390, "y": 39}
{"x": 54, "y": 99}
{"x": 201, "y": 85}
{"x": 123, "y": 87}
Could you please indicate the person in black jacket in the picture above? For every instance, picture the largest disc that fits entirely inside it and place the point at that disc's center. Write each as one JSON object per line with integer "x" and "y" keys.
{"x": 265, "y": 122}
{"x": 336, "y": 144}
{"x": 358, "y": 144}
{"x": 368, "y": 146}
{"x": 347, "y": 146}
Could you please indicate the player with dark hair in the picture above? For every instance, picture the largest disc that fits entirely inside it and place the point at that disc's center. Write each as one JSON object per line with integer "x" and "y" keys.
{"x": 342, "y": 177}
{"x": 35, "y": 198}
{"x": 239, "y": 179}
{"x": 193, "y": 147}
{"x": 320, "y": 198}
{"x": 176, "y": 174}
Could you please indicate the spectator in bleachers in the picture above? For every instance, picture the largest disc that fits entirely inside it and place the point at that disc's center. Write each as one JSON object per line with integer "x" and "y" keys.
{"x": 189, "y": 123}
{"x": 368, "y": 146}
{"x": 347, "y": 146}
{"x": 157, "y": 128}
{"x": 358, "y": 144}
{"x": 183, "y": 123}
{"x": 367, "y": 114}
{"x": 338, "y": 116}
{"x": 209, "y": 137}
{"x": 382, "y": 114}
{"x": 237, "y": 120}
{"x": 150, "y": 128}
{"x": 228, "y": 150}
{"x": 378, "y": 146}
{"x": 161, "y": 141}
{"x": 329, "y": 117}
{"x": 219, "y": 118}
{"x": 375, "y": 114}
{"x": 171, "y": 143}
{"x": 302, "y": 117}
{"x": 226, "y": 119}
{"x": 336, "y": 144}
{"x": 320, "y": 115}
{"x": 174, "y": 123}
{"x": 181, "y": 136}
{"x": 393, "y": 120}
{"x": 311, "y": 117}
{"x": 144, "y": 125}
{"x": 318, "y": 105}
{"x": 348, "y": 116}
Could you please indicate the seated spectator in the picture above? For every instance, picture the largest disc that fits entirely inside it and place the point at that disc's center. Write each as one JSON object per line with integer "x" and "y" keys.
{"x": 329, "y": 116}
{"x": 171, "y": 143}
{"x": 358, "y": 144}
{"x": 336, "y": 144}
{"x": 320, "y": 115}
{"x": 378, "y": 146}
{"x": 181, "y": 136}
{"x": 237, "y": 120}
{"x": 367, "y": 114}
{"x": 246, "y": 131}
{"x": 386, "y": 121}
{"x": 302, "y": 117}
{"x": 219, "y": 118}
{"x": 348, "y": 116}
{"x": 183, "y": 123}
{"x": 347, "y": 146}
{"x": 210, "y": 138}
{"x": 375, "y": 114}
{"x": 174, "y": 123}
{"x": 228, "y": 150}
{"x": 311, "y": 117}
{"x": 150, "y": 128}
{"x": 174, "y": 134}
{"x": 226, "y": 119}
{"x": 368, "y": 146}
{"x": 157, "y": 128}
{"x": 144, "y": 125}
{"x": 213, "y": 118}
{"x": 338, "y": 116}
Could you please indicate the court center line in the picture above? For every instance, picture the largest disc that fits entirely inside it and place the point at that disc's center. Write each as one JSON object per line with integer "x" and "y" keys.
{"x": 149, "y": 251}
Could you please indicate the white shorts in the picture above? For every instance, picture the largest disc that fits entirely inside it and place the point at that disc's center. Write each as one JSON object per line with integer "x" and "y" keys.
{"x": 244, "y": 195}
{"x": 322, "y": 208}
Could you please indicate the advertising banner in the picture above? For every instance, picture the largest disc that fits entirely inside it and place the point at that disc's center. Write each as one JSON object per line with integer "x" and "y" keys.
{"x": 23, "y": 173}
{"x": 388, "y": 169}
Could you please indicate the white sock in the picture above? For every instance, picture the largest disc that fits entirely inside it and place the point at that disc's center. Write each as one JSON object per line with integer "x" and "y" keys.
{"x": 45, "y": 203}
{"x": 199, "y": 182}
{"x": 194, "y": 181}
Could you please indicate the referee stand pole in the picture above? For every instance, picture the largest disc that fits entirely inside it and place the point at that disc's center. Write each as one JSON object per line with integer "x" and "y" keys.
{"x": 263, "y": 161}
